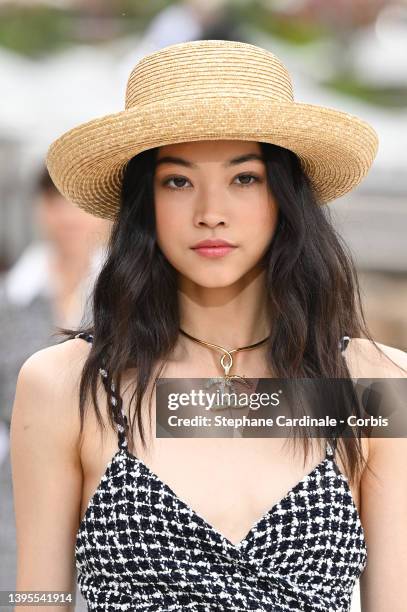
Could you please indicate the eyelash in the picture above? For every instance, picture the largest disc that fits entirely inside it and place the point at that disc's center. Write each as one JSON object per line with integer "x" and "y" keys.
{"x": 255, "y": 178}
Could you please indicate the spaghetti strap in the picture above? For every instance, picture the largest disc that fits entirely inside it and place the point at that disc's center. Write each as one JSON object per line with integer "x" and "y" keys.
{"x": 330, "y": 449}
{"x": 115, "y": 399}
{"x": 343, "y": 343}
{"x": 85, "y": 336}
{"x": 331, "y": 445}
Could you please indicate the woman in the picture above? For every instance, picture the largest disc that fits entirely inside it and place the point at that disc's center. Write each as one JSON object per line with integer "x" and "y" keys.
{"x": 211, "y": 146}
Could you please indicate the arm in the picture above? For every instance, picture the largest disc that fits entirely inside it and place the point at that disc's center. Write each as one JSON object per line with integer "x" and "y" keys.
{"x": 384, "y": 518}
{"x": 46, "y": 469}
{"x": 383, "y": 497}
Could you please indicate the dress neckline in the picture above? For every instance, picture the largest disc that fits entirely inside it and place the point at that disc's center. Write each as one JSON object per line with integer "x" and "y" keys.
{"x": 123, "y": 453}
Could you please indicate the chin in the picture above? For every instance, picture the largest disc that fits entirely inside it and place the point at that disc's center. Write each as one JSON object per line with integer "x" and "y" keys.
{"x": 216, "y": 280}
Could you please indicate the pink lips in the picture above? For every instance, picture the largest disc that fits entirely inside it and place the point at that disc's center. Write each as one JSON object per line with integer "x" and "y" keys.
{"x": 213, "y": 247}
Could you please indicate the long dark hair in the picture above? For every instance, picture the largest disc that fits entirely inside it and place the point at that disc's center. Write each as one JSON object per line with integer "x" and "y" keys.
{"x": 312, "y": 286}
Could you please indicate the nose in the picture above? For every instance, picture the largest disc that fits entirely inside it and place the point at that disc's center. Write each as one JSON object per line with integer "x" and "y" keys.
{"x": 210, "y": 210}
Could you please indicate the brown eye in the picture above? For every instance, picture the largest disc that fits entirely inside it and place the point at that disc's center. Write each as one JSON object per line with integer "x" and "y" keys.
{"x": 176, "y": 182}
{"x": 246, "y": 179}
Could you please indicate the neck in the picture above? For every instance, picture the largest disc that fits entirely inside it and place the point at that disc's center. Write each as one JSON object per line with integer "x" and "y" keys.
{"x": 232, "y": 317}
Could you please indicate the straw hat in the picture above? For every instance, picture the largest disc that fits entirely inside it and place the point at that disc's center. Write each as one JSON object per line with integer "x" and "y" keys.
{"x": 209, "y": 90}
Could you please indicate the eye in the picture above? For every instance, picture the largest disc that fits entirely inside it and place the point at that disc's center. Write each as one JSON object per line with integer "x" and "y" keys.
{"x": 176, "y": 182}
{"x": 247, "y": 179}
{"x": 180, "y": 182}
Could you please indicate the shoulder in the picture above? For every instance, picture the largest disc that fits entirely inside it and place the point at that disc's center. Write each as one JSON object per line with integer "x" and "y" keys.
{"x": 47, "y": 391}
{"x": 366, "y": 359}
{"x": 55, "y": 367}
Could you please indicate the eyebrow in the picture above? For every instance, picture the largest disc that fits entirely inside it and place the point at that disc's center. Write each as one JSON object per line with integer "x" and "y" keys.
{"x": 169, "y": 159}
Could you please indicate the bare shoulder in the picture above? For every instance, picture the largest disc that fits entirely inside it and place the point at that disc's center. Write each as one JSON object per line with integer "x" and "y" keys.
{"x": 67, "y": 357}
{"x": 368, "y": 360}
{"x": 57, "y": 368}
{"x": 364, "y": 360}
{"x": 47, "y": 391}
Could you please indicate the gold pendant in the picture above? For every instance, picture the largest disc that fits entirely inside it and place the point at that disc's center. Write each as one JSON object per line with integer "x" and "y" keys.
{"x": 227, "y": 384}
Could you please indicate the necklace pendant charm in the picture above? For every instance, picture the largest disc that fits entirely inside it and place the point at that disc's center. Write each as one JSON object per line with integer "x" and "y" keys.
{"x": 228, "y": 365}
{"x": 227, "y": 384}
{"x": 223, "y": 385}
{"x": 221, "y": 382}
{"x": 241, "y": 379}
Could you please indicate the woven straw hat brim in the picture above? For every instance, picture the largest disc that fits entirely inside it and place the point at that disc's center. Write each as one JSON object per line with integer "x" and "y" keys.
{"x": 87, "y": 162}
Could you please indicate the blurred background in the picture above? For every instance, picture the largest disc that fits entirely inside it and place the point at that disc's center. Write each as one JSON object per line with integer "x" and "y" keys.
{"x": 63, "y": 62}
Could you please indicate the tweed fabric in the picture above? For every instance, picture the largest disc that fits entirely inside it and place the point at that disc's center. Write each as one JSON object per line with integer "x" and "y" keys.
{"x": 140, "y": 547}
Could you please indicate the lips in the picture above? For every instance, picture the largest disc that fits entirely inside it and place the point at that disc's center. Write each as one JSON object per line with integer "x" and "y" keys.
{"x": 213, "y": 242}
{"x": 214, "y": 247}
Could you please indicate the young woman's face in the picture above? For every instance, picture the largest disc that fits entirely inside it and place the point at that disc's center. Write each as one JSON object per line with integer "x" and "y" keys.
{"x": 211, "y": 190}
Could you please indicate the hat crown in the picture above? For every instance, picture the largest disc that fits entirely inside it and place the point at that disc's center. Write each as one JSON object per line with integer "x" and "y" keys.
{"x": 207, "y": 69}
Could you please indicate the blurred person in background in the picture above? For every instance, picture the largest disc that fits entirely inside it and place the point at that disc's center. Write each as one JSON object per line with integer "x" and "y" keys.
{"x": 48, "y": 286}
{"x": 50, "y": 283}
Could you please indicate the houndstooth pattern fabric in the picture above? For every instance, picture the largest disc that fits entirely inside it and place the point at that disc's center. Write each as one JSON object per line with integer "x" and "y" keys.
{"x": 140, "y": 547}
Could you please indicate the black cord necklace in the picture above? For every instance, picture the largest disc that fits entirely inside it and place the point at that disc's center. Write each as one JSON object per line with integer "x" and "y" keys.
{"x": 227, "y": 355}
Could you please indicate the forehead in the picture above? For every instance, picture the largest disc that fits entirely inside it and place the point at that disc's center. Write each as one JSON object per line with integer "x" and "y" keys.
{"x": 209, "y": 150}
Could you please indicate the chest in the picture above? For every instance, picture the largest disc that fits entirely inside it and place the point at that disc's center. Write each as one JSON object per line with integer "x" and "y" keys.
{"x": 230, "y": 483}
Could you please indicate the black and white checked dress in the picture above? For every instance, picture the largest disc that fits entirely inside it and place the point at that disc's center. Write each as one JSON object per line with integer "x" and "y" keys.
{"x": 140, "y": 548}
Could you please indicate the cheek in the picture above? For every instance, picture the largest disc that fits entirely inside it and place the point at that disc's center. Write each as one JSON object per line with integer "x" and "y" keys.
{"x": 170, "y": 224}
{"x": 259, "y": 219}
